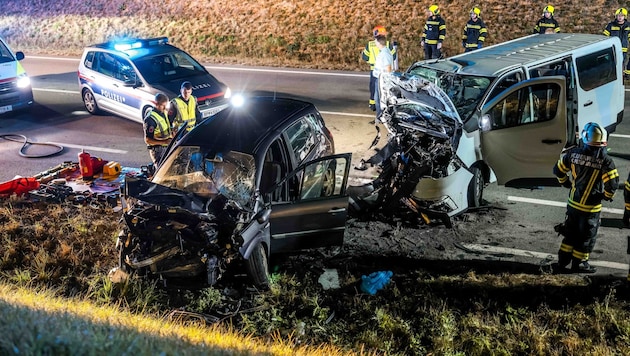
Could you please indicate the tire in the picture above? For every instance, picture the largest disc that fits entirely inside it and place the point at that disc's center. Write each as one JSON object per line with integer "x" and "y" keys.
{"x": 475, "y": 188}
{"x": 258, "y": 267}
{"x": 89, "y": 101}
{"x": 328, "y": 182}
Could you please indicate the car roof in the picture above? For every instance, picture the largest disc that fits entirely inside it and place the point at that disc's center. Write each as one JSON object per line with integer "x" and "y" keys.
{"x": 243, "y": 128}
{"x": 148, "y": 46}
{"x": 490, "y": 61}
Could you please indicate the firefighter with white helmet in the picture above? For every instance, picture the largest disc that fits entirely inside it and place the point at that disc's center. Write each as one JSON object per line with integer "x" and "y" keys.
{"x": 475, "y": 31}
{"x": 547, "y": 23}
{"x": 433, "y": 34}
{"x": 591, "y": 176}
{"x": 369, "y": 55}
{"x": 620, "y": 27}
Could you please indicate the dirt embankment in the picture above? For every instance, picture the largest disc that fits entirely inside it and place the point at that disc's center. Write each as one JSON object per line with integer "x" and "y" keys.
{"x": 328, "y": 34}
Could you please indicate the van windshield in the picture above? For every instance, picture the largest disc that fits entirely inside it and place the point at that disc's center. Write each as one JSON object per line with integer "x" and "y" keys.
{"x": 465, "y": 91}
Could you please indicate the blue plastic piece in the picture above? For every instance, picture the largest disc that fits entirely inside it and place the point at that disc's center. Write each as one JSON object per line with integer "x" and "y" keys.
{"x": 375, "y": 281}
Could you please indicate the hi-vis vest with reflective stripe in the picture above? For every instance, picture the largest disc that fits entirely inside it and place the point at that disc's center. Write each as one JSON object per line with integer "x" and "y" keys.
{"x": 163, "y": 128}
{"x": 370, "y": 52}
{"x": 185, "y": 112}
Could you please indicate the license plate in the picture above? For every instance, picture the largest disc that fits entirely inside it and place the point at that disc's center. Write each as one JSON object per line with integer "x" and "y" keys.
{"x": 4, "y": 109}
{"x": 212, "y": 111}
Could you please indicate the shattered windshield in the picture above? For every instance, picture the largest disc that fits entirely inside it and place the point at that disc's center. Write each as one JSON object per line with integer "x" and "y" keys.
{"x": 207, "y": 174}
{"x": 465, "y": 91}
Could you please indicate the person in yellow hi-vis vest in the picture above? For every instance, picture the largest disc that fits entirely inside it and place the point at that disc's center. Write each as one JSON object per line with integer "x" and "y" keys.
{"x": 157, "y": 129}
{"x": 184, "y": 108}
{"x": 369, "y": 55}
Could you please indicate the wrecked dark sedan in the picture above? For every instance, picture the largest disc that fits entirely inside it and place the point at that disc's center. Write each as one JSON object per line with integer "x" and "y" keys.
{"x": 256, "y": 179}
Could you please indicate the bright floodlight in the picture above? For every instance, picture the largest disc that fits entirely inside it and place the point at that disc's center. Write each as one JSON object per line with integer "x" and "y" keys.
{"x": 237, "y": 100}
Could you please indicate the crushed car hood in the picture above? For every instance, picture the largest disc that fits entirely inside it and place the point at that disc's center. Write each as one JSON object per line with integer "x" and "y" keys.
{"x": 157, "y": 194}
{"x": 417, "y": 104}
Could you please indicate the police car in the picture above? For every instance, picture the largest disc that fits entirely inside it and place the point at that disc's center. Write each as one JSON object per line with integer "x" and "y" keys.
{"x": 15, "y": 86}
{"x": 122, "y": 77}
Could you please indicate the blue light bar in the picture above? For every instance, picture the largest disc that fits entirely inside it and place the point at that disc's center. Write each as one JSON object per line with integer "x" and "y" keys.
{"x": 126, "y": 46}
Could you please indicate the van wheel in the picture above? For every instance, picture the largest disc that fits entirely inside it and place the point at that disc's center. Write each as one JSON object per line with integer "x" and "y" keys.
{"x": 258, "y": 267}
{"x": 475, "y": 188}
{"x": 90, "y": 102}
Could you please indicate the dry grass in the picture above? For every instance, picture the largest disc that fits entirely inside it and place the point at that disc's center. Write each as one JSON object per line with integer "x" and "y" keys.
{"x": 326, "y": 34}
{"x": 54, "y": 261}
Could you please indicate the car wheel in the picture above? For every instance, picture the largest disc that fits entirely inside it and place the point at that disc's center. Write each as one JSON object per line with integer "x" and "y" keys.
{"x": 328, "y": 182}
{"x": 89, "y": 101}
{"x": 475, "y": 188}
{"x": 258, "y": 267}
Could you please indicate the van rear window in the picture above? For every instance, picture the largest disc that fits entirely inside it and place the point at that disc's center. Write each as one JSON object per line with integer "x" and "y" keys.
{"x": 596, "y": 69}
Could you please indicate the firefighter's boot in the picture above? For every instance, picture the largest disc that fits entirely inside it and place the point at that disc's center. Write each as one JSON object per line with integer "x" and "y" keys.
{"x": 579, "y": 266}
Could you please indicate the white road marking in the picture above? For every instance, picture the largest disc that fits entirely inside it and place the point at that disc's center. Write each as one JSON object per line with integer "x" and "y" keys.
{"x": 557, "y": 203}
{"x": 620, "y": 135}
{"x": 241, "y": 69}
{"x": 346, "y": 114}
{"x": 92, "y": 148}
{"x": 534, "y": 254}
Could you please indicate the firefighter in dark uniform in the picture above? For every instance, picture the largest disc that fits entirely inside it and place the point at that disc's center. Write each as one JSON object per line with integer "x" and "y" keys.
{"x": 547, "y": 23}
{"x": 594, "y": 178}
{"x": 433, "y": 34}
{"x": 621, "y": 28}
{"x": 369, "y": 55}
{"x": 475, "y": 31}
{"x": 157, "y": 129}
{"x": 626, "y": 212}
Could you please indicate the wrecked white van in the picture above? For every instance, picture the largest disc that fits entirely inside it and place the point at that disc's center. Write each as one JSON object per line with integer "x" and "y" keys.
{"x": 520, "y": 103}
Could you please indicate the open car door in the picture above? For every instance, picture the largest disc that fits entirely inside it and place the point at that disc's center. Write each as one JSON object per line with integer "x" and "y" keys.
{"x": 316, "y": 215}
{"x": 524, "y": 130}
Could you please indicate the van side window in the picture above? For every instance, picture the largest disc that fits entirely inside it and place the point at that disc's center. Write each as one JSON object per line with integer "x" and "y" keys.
{"x": 505, "y": 83}
{"x": 596, "y": 69}
{"x": 536, "y": 103}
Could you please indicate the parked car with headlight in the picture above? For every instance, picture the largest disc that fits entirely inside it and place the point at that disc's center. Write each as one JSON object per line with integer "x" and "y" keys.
{"x": 123, "y": 76}
{"x": 15, "y": 85}
{"x": 254, "y": 180}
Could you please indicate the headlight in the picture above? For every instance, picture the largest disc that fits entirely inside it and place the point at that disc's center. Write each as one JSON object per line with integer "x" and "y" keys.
{"x": 228, "y": 93}
{"x": 238, "y": 100}
{"x": 23, "y": 81}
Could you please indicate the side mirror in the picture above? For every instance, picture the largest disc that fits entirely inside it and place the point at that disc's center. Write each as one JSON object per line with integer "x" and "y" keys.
{"x": 19, "y": 55}
{"x": 262, "y": 216}
{"x": 485, "y": 123}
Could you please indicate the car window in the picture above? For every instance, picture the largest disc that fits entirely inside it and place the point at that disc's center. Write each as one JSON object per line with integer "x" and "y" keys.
{"x": 114, "y": 66}
{"x": 302, "y": 138}
{"x": 5, "y": 54}
{"x": 88, "y": 62}
{"x": 536, "y": 103}
{"x": 596, "y": 69}
{"x": 323, "y": 179}
{"x": 168, "y": 66}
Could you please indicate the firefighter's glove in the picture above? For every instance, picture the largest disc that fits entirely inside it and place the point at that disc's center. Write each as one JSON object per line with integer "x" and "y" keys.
{"x": 626, "y": 218}
{"x": 567, "y": 184}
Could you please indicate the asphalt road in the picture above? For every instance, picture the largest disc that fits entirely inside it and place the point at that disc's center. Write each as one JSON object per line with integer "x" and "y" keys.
{"x": 526, "y": 234}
